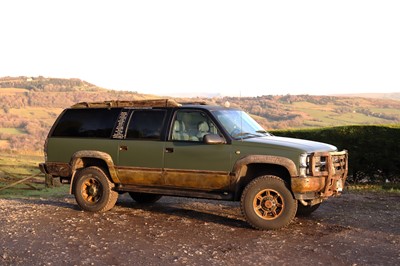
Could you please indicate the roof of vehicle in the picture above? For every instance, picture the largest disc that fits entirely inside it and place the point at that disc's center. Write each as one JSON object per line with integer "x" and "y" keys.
{"x": 144, "y": 103}
{"x": 138, "y": 103}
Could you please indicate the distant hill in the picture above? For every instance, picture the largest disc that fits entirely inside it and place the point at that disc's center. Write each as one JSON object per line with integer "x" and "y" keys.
{"x": 29, "y": 106}
{"x": 17, "y": 92}
{"x": 47, "y": 84}
{"x": 391, "y": 96}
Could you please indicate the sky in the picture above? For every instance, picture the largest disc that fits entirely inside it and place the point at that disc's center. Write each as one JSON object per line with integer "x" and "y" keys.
{"x": 246, "y": 48}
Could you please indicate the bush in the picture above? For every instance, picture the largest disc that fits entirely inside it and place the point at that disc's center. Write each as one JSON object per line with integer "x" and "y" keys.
{"x": 374, "y": 151}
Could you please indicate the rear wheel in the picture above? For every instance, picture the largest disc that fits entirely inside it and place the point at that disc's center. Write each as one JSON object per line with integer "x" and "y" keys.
{"x": 93, "y": 190}
{"x": 267, "y": 203}
{"x": 140, "y": 197}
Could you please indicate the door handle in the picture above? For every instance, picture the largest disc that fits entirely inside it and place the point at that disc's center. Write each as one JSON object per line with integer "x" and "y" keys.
{"x": 123, "y": 148}
{"x": 169, "y": 150}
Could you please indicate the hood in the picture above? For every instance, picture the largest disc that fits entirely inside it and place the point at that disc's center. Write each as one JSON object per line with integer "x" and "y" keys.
{"x": 292, "y": 143}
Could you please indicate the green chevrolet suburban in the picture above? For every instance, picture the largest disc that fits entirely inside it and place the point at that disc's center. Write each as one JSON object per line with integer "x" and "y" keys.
{"x": 161, "y": 147}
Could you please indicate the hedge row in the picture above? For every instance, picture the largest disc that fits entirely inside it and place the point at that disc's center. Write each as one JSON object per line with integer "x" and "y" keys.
{"x": 374, "y": 151}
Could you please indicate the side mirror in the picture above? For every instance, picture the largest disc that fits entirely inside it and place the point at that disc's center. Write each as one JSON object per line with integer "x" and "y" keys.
{"x": 213, "y": 139}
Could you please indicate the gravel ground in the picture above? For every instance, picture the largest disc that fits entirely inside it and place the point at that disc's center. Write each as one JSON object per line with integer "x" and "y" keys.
{"x": 354, "y": 229}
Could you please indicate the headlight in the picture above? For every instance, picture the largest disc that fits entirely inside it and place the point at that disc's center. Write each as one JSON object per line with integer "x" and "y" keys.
{"x": 303, "y": 164}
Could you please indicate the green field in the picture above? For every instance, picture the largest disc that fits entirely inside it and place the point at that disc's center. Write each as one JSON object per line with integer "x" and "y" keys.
{"x": 36, "y": 112}
{"x": 386, "y": 110}
{"x": 322, "y": 116}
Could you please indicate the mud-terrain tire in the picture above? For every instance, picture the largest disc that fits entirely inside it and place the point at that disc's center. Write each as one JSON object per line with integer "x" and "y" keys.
{"x": 267, "y": 203}
{"x": 93, "y": 190}
{"x": 306, "y": 210}
{"x": 144, "y": 198}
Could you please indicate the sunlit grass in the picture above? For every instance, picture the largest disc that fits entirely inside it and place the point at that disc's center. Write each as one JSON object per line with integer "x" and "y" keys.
{"x": 36, "y": 112}
{"x": 387, "y": 187}
{"x": 11, "y": 130}
{"x": 15, "y": 167}
{"x": 3, "y": 143}
{"x": 19, "y": 164}
{"x": 11, "y": 91}
{"x": 23, "y": 191}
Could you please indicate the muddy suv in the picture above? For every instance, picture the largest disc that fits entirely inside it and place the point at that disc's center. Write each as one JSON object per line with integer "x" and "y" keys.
{"x": 160, "y": 147}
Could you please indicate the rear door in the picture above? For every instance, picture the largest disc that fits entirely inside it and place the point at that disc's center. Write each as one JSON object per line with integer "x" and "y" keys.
{"x": 141, "y": 153}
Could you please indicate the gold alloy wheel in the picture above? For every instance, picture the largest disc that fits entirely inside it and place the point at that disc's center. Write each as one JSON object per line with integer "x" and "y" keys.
{"x": 268, "y": 204}
{"x": 91, "y": 190}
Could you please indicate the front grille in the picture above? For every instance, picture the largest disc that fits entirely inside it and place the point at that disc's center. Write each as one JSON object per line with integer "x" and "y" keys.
{"x": 328, "y": 163}
{"x": 333, "y": 166}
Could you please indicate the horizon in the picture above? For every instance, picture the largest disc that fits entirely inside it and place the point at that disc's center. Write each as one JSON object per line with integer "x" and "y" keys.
{"x": 205, "y": 94}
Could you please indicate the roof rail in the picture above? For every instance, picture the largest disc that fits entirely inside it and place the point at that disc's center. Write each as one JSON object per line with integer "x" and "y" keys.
{"x": 137, "y": 103}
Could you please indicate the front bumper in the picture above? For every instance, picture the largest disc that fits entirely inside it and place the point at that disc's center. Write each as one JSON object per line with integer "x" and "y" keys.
{"x": 322, "y": 183}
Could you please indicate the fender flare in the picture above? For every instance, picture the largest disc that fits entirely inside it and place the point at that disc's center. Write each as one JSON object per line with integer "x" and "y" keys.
{"x": 77, "y": 156}
{"x": 240, "y": 166}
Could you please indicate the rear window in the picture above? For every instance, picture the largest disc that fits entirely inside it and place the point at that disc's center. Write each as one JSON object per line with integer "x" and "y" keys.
{"x": 86, "y": 123}
{"x": 146, "y": 125}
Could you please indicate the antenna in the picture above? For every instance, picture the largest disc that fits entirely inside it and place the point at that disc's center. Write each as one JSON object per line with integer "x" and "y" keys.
{"x": 241, "y": 114}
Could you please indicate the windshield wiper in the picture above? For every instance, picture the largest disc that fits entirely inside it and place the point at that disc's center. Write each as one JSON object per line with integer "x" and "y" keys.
{"x": 243, "y": 135}
{"x": 264, "y": 132}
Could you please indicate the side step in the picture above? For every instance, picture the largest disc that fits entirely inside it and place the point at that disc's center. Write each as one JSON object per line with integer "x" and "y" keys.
{"x": 177, "y": 192}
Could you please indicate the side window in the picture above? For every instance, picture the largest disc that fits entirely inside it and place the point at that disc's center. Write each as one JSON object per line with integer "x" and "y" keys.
{"x": 146, "y": 124}
{"x": 189, "y": 125}
{"x": 86, "y": 123}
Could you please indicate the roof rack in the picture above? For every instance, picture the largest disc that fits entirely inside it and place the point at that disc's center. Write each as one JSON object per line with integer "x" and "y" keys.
{"x": 137, "y": 103}
{"x": 194, "y": 103}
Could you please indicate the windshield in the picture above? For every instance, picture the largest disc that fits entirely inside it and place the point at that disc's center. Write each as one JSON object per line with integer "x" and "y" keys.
{"x": 239, "y": 124}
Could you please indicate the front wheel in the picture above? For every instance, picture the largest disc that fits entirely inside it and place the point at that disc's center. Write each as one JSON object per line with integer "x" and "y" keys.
{"x": 93, "y": 190}
{"x": 267, "y": 203}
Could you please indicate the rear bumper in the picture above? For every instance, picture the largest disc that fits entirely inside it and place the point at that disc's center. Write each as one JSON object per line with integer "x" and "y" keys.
{"x": 43, "y": 169}
{"x": 56, "y": 169}
{"x": 322, "y": 182}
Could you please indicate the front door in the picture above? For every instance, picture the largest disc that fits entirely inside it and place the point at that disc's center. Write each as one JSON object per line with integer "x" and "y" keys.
{"x": 189, "y": 162}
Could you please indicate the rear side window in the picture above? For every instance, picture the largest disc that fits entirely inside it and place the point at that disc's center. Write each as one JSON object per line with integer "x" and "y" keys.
{"x": 146, "y": 125}
{"x": 87, "y": 123}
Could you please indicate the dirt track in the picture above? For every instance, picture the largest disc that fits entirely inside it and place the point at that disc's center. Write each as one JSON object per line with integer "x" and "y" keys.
{"x": 355, "y": 229}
